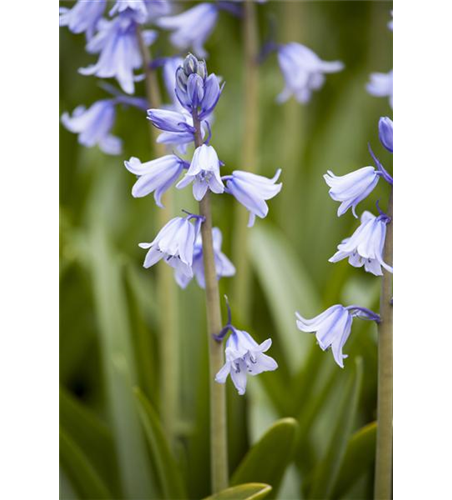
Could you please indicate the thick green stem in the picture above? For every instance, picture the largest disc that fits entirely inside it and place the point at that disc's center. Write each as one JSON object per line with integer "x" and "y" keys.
{"x": 218, "y": 430}
{"x": 249, "y": 154}
{"x": 166, "y": 288}
{"x": 383, "y": 468}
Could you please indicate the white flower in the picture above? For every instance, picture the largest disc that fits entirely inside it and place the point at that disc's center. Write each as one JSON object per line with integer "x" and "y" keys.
{"x": 303, "y": 71}
{"x": 244, "y": 356}
{"x": 204, "y": 172}
{"x": 365, "y": 246}
{"x": 381, "y": 85}
{"x": 351, "y": 188}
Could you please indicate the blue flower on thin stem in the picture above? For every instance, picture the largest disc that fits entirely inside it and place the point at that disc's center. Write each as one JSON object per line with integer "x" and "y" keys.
{"x": 83, "y": 17}
{"x": 175, "y": 244}
{"x": 386, "y": 133}
{"x": 204, "y": 172}
{"x": 303, "y": 71}
{"x": 192, "y": 28}
{"x": 352, "y": 188}
{"x": 381, "y": 85}
{"x": 244, "y": 356}
{"x": 333, "y": 327}
{"x": 118, "y": 47}
{"x": 365, "y": 246}
{"x": 223, "y": 265}
{"x": 155, "y": 176}
{"x": 93, "y": 126}
{"x": 252, "y": 191}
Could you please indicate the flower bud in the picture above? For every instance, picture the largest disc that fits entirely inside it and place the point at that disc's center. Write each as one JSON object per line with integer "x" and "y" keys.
{"x": 190, "y": 64}
{"x": 181, "y": 79}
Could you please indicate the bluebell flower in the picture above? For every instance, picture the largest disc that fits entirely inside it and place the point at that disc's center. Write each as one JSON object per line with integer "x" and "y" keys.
{"x": 381, "y": 85}
{"x": 351, "y": 188}
{"x": 303, "y": 71}
{"x": 244, "y": 356}
{"x": 155, "y": 176}
{"x": 117, "y": 44}
{"x": 385, "y": 132}
{"x": 197, "y": 92}
{"x": 83, "y": 17}
{"x": 177, "y": 127}
{"x": 170, "y": 67}
{"x": 142, "y": 10}
{"x": 174, "y": 244}
{"x": 192, "y": 28}
{"x": 204, "y": 172}
{"x": 252, "y": 191}
{"x": 333, "y": 327}
{"x": 93, "y": 126}
{"x": 365, "y": 246}
{"x": 223, "y": 265}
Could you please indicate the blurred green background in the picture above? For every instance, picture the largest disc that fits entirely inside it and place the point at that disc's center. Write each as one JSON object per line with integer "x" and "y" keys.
{"x": 109, "y": 312}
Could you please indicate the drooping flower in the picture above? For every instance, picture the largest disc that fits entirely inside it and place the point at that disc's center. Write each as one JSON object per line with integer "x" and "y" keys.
{"x": 204, "y": 172}
{"x": 155, "y": 176}
{"x": 93, "y": 126}
{"x": 174, "y": 244}
{"x": 223, "y": 265}
{"x": 381, "y": 85}
{"x": 192, "y": 28}
{"x": 385, "y": 132}
{"x": 117, "y": 44}
{"x": 252, "y": 191}
{"x": 83, "y": 17}
{"x": 365, "y": 246}
{"x": 197, "y": 92}
{"x": 244, "y": 356}
{"x": 303, "y": 71}
{"x": 351, "y": 188}
{"x": 333, "y": 327}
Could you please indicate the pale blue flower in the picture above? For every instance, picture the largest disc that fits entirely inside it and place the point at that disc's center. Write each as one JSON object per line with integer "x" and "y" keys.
{"x": 174, "y": 244}
{"x": 170, "y": 67}
{"x": 351, "y": 188}
{"x": 244, "y": 356}
{"x": 365, "y": 246}
{"x": 303, "y": 71}
{"x": 223, "y": 265}
{"x": 155, "y": 176}
{"x": 142, "y": 10}
{"x": 333, "y": 327}
{"x": 252, "y": 191}
{"x": 192, "y": 28}
{"x": 116, "y": 42}
{"x": 391, "y": 22}
{"x": 204, "y": 172}
{"x": 93, "y": 126}
{"x": 386, "y": 133}
{"x": 83, "y": 17}
{"x": 381, "y": 85}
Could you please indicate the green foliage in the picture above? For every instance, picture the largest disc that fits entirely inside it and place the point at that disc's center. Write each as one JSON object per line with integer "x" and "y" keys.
{"x": 250, "y": 491}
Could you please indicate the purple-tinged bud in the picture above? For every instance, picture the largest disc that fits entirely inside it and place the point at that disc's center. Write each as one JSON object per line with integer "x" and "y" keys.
{"x": 385, "y": 132}
{"x": 181, "y": 79}
{"x": 195, "y": 90}
{"x": 190, "y": 65}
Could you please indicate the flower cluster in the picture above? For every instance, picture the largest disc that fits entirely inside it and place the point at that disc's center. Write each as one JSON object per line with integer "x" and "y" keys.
{"x": 364, "y": 248}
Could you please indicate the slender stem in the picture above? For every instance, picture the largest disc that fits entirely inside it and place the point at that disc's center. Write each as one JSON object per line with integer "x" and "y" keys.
{"x": 383, "y": 468}
{"x": 249, "y": 153}
{"x": 166, "y": 288}
{"x": 218, "y": 431}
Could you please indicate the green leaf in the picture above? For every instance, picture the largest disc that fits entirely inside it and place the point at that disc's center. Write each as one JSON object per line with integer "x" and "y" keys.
{"x": 250, "y": 491}
{"x": 167, "y": 470}
{"x": 92, "y": 436}
{"x": 267, "y": 460}
{"x": 358, "y": 458}
{"x": 328, "y": 469}
{"x": 80, "y": 471}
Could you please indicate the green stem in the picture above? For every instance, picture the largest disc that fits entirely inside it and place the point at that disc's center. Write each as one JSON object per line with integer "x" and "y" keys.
{"x": 383, "y": 468}
{"x": 241, "y": 290}
{"x": 166, "y": 288}
{"x": 218, "y": 431}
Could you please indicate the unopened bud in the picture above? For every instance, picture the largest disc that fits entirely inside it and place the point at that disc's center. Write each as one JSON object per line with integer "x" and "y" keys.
{"x": 190, "y": 64}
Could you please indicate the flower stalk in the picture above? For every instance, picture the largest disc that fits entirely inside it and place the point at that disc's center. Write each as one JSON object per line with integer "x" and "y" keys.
{"x": 249, "y": 151}
{"x": 383, "y": 466}
{"x": 166, "y": 288}
{"x": 218, "y": 424}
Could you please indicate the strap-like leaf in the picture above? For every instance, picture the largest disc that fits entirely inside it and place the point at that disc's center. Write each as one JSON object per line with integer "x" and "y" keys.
{"x": 250, "y": 491}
